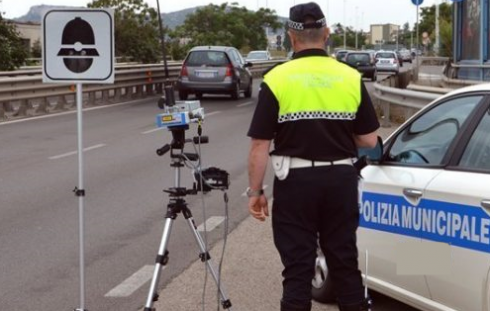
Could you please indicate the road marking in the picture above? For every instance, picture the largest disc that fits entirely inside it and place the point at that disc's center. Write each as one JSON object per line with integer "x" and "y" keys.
{"x": 64, "y": 155}
{"x": 153, "y": 130}
{"x": 244, "y": 194}
{"x": 131, "y": 284}
{"x": 211, "y": 113}
{"x": 245, "y": 104}
{"x": 211, "y": 223}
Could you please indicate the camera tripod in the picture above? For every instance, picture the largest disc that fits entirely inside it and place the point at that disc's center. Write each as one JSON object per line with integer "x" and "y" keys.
{"x": 177, "y": 204}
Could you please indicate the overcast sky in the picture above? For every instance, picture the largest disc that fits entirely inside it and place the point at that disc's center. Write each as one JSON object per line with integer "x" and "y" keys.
{"x": 355, "y": 13}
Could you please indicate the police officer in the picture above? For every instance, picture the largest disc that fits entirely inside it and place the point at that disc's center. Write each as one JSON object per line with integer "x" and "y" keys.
{"x": 318, "y": 112}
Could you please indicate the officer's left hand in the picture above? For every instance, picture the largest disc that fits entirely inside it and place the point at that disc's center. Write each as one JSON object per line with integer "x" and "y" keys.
{"x": 258, "y": 207}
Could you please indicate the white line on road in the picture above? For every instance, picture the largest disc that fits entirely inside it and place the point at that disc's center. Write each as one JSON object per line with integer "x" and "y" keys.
{"x": 245, "y": 104}
{"x": 64, "y": 155}
{"x": 211, "y": 113}
{"x": 211, "y": 223}
{"x": 153, "y": 130}
{"x": 131, "y": 284}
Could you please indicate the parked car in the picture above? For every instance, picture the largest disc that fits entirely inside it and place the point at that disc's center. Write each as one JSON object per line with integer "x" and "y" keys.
{"x": 364, "y": 62}
{"x": 214, "y": 70}
{"x": 425, "y": 209}
{"x": 258, "y": 56}
{"x": 387, "y": 61}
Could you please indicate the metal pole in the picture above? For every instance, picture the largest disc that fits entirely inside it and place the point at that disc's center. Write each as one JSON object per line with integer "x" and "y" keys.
{"x": 417, "y": 48}
{"x": 81, "y": 194}
{"x": 345, "y": 27}
{"x": 164, "y": 53}
{"x": 437, "y": 44}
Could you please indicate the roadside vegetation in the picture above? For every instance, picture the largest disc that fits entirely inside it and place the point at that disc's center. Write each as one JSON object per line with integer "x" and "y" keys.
{"x": 137, "y": 35}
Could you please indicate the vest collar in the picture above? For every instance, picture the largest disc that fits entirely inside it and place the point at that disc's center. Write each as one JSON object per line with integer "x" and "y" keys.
{"x": 310, "y": 52}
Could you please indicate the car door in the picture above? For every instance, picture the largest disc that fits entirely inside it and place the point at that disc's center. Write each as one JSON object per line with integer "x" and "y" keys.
{"x": 239, "y": 63}
{"x": 393, "y": 211}
{"x": 460, "y": 197}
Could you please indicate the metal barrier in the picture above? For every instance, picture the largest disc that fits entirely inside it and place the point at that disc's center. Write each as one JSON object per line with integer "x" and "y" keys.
{"x": 398, "y": 103}
{"x": 25, "y": 94}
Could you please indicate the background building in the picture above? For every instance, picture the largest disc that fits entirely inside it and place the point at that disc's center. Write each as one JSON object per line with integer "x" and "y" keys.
{"x": 383, "y": 33}
{"x": 29, "y": 32}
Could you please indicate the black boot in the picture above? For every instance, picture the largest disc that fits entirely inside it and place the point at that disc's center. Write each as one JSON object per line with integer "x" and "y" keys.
{"x": 290, "y": 307}
{"x": 365, "y": 305}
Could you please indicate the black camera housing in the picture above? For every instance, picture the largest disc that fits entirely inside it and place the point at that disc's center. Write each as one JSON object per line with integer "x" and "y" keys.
{"x": 211, "y": 178}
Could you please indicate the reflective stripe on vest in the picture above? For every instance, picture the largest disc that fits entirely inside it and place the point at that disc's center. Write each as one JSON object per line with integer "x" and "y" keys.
{"x": 315, "y": 87}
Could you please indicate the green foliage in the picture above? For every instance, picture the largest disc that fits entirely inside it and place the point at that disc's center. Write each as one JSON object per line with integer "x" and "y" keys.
{"x": 228, "y": 25}
{"x": 428, "y": 24}
{"x": 36, "y": 49}
{"x": 337, "y": 37}
{"x": 12, "y": 50}
{"x": 136, "y": 29}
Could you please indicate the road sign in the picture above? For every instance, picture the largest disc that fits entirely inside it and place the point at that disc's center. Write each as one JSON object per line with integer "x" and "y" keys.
{"x": 417, "y": 2}
{"x": 78, "y": 46}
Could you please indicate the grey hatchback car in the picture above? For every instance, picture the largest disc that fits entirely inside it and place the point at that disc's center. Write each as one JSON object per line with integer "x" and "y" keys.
{"x": 214, "y": 70}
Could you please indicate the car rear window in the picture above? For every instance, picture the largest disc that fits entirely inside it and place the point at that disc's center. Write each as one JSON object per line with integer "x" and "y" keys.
{"x": 257, "y": 55}
{"x": 208, "y": 58}
{"x": 358, "y": 58}
{"x": 385, "y": 55}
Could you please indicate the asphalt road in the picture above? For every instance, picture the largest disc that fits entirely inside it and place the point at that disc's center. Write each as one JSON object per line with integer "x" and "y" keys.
{"x": 124, "y": 206}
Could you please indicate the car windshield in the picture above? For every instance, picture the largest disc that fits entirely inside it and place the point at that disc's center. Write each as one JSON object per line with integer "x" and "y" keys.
{"x": 385, "y": 55}
{"x": 207, "y": 58}
{"x": 257, "y": 55}
{"x": 358, "y": 58}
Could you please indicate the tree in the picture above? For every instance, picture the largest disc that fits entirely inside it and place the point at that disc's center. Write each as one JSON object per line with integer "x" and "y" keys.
{"x": 136, "y": 29}
{"x": 428, "y": 22}
{"x": 228, "y": 25}
{"x": 12, "y": 50}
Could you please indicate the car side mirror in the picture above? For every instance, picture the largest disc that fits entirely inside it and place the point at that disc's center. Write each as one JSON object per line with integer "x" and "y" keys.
{"x": 248, "y": 64}
{"x": 368, "y": 156}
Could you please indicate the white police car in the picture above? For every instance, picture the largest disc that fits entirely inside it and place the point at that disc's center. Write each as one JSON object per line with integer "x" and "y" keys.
{"x": 425, "y": 209}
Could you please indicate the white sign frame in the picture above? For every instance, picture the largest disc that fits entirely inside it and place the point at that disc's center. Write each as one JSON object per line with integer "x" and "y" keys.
{"x": 101, "y": 69}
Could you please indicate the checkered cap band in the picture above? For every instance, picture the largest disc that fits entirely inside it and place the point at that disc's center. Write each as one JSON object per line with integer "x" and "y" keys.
{"x": 302, "y": 26}
{"x": 309, "y": 115}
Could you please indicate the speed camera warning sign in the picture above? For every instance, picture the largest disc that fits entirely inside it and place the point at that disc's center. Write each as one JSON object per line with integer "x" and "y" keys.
{"x": 78, "y": 46}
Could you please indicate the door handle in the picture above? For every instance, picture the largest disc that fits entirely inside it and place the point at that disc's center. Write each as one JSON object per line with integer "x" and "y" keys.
{"x": 412, "y": 193}
{"x": 486, "y": 204}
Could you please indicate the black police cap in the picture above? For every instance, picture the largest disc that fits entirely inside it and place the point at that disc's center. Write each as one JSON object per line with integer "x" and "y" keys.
{"x": 299, "y": 14}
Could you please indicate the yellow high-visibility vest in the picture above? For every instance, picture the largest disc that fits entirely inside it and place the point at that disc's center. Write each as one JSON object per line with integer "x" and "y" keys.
{"x": 315, "y": 87}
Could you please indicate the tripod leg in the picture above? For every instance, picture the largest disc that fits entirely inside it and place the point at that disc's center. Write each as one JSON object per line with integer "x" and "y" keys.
{"x": 205, "y": 257}
{"x": 161, "y": 260}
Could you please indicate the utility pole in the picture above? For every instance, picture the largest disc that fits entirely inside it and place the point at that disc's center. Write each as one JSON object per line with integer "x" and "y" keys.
{"x": 356, "y": 24}
{"x": 437, "y": 44}
{"x": 345, "y": 27}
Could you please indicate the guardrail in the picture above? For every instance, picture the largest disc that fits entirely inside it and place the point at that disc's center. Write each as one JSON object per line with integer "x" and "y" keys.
{"x": 25, "y": 95}
{"x": 398, "y": 104}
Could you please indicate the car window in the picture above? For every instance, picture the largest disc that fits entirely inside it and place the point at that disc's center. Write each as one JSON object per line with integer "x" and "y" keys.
{"x": 385, "y": 55}
{"x": 477, "y": 152}
{"x": 236, "y": 57}
{"x": 257, "y": 55}
{"x": 208, "y": 58}
{"x": 357, "y": 58}
{"x": 426, "y": 140}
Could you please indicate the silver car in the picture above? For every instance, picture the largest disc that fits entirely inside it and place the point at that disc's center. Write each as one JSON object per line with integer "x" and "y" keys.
{"x": 387, "y": 61}
{"x": 214, "y": 70}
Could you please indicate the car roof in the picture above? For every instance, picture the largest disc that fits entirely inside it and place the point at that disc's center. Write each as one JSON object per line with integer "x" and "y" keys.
{"x": 212, "y": 48}
{"x": 472, "y": 88}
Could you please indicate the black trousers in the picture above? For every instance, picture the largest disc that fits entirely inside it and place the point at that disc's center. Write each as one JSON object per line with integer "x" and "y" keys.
{"x": 317, "y": 205}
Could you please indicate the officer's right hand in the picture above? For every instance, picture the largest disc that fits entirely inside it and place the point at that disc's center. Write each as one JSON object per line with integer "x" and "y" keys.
{"x": 258, "y": 207}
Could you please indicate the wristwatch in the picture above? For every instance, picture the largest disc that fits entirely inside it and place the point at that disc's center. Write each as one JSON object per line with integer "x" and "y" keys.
{"x": 254, "y": 193}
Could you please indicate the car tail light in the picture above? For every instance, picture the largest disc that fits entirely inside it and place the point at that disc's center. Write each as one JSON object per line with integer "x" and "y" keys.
{"x": 395, "y": 61}
{"x": 183, "y": 71}
{"x": 229, "y": 71}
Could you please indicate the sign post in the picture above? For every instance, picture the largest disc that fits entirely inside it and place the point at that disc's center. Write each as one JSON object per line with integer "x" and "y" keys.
{"x": 78, "y": 47}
